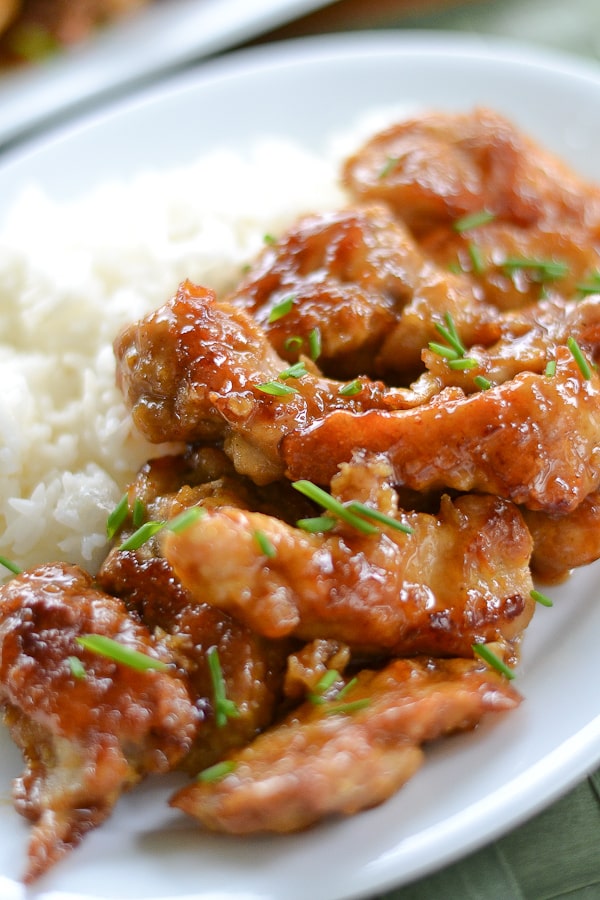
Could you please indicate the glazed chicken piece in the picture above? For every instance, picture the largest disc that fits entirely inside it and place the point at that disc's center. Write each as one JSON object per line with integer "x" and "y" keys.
{"x": 353, "y": 276}
{"x": 87, "y": 734}
{"x": 534, "y": 440}
{"x": 436, "y": 168}
{"x": 252, "y": 668}
{"x": 530, "y": 339}
{"x": 563, "y": 543}
{"x": 461, "y": 576}
{"x": 342, "y": 756}
{"x": 513, "y": 267}
{"x": 195, "y": 370}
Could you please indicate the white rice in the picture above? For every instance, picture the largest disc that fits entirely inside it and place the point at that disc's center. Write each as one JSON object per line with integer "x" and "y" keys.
{"x": 70, "y": 277}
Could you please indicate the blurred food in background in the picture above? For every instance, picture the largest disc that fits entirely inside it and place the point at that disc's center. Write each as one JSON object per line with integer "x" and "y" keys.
{"x": 31, "y": 30}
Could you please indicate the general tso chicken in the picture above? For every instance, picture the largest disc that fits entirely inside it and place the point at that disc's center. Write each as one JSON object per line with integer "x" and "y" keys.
{"x": 385, "y": 439}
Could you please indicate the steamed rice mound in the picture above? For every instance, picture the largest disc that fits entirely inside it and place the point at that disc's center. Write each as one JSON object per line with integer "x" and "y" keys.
{"x": 71, "y": 275}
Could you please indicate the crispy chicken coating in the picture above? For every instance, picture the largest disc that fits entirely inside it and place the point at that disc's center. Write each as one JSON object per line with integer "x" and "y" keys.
{"x": 534, "y": 440}
{"x": 439, "y": 167}
{"x": 195, "y": 370}
{"x": 563, "y": 543}
{"x": 86, "y": 736}
{"x": 341, "y": 756}
{"x": 461, "y": 576}
{"x": 252, "y": 667}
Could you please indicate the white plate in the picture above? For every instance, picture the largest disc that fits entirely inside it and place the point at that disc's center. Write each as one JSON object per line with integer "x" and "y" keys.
{"x": 153, "y": 40}
{"x": 473, "y": 787}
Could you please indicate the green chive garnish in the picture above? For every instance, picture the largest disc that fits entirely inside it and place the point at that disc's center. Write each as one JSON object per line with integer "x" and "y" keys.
{"x": 327, "y": 680}
{"x": 10, "y": 565}
{"x": 388, "y": 166}
{"x": 118, "y": 652}
{"x": 541, "y": 598}
{"x": 77, "y": 668}
{"x": 184, "y": 519}
{"x": 550, "y": 369}
{"x": 316, "y": 524}
{"x": 141, "y": 536}
{"x": 314, "y": 343}
{"x": 442, "y": 350}
{"x": 484, "y": 384}
{"x": 465, "y": 362}
{"x": 217, "y": 772}
{"x": 345, "y": 709}
{"x": 318, "y": 495}
{"x": 377, "y": 516}
{"x": 117, "y": 517}
{"x": 477, "y": 260}
{"x": 139, "y": 512}
{"x": 276, "y": 389}
{"x": 292, "y": 343}
{"x": 224, "y": 707}
{"x": 544, "y": 269}
{"x": 450, "y": 334}
{"x": 591, "y": 286}
{"x": 474, "y": 220}
{"x": 298, "y": 370}
{"x": 265, "y": 544}
{"x": 351, "y": 388}
{"x": 579, "y": 357}
{"x": 491, "y": 659}
{"x": 281, "y": 309}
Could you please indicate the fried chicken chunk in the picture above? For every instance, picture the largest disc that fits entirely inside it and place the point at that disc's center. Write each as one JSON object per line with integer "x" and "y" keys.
{"x": 201, "y": 370}
{"x": 251, "y": 666}
{"x": 534, "y": 440}
{"x": 439, "y": 167}
{"x": 341, "y": 756}
{"x": 459, "y": 577}
{"x": 86, "y": 736}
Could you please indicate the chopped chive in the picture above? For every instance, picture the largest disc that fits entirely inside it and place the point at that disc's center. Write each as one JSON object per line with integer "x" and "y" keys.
{"x": 224, "y": 707}
{"x": 465, "y": 362}
{"x": 141, "y": 536}
{"x": 281, "y": 309}
{"x": 347, "y": 687}
{"x": 481, "y": 382}
{"x": 117, "y": 517}
{"x": 550, "y": 369}
{"x": 293, "y": 342}
{"x": 388, "y": 166}
{"x": 579, "y": 357}
{"x": 118, "y": 652}
{"x": 265, "y": 544}
{"x": 474, "y": 220}
{"x": 442, "y": 350}
{"x": 217, "y": 772}
{"x": 344, "y": 709}
{"x": 314, "y": 343}
{"x": 592, "y": 285}
{"x": 295, "y": 371}
{"x": 10, "y": 565}
{"x": 138, "y": 513}
{"x": 540, "y": 598}
{"x": 316, "y": 524}
{"x": 491, "y": 659}
{"x": 269, "y": 239}
{"x": 377, "y": 516}
{"x": 185, "y": 519}
{"x": 477, "y": 260}
{"x": 326, "y": 681}
{"x": 351, "y": 388}
{"x": 276, "y": 389}
{"x": 545, "y": 269}
{"x": 450, "y": 334}
{"x": 77, "y": 668}
{"x": 318, "y": 495}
